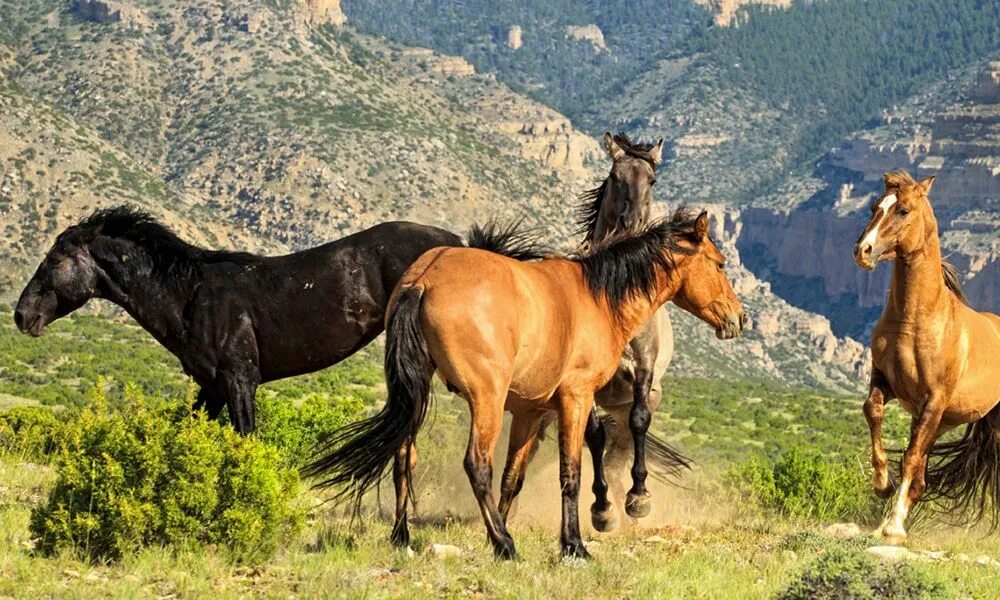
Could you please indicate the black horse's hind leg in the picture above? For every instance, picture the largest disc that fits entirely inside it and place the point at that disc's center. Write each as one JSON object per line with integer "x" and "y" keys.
{"x": 602, "y": 514}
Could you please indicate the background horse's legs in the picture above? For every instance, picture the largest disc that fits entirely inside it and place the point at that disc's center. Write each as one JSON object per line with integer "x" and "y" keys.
{"x": 406, "y": 454}
{"x": 618, "y": 456}
{"x": 878, "y": 396}
{"x": 923, "y": 432}
{"x": 637, "y": 503}
{"x": 602, "y": 514}
{"x": 574, "y": 409}
{"x": 523, "y": 441}
{"x": 487, "y": 421}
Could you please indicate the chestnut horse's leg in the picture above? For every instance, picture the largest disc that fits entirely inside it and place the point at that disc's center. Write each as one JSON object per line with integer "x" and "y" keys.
{"x": 487, "y": 421}
{"x": 878, "y": 396}
{"x": 923, "y": 432}
{"x": 523, "y": 442}
{"x": 602, "y": 514}
{"x": 400, "y": 530}
{"x": 574, "y": 409}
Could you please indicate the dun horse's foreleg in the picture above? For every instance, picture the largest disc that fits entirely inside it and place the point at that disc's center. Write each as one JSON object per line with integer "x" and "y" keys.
{"x": 874, "y": 408}
{"x": 602, "y": 513}
{"x": 405, "y": 456}
{"x": 573, "y": 414}
{"x": 923, "y": 432}
{"x": 487, "y": 421}
{"x": 638, "y": 501}
{"x": 523, "y": 442}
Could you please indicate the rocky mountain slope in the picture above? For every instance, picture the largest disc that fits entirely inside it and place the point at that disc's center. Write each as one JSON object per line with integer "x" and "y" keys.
{"x": 274, "y": 126}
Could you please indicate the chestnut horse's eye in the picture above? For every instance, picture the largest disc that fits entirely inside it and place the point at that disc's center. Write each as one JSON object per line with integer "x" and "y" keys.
{"x": 902, "y": 212}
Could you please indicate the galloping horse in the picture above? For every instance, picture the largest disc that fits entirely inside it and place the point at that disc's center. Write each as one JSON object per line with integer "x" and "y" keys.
{"x": 938, "y": 357}
{"x": 528, "y": 337}
{"x": 234, "y": 320}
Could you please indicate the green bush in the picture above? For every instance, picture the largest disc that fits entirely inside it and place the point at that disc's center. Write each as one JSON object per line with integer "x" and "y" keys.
{"x": 294, "y": 430}
{"x": 808, "y": 486}
{"x": 845, "y": 574}
{"x": 153, "y": 474}
{"x": 29, "y": 432}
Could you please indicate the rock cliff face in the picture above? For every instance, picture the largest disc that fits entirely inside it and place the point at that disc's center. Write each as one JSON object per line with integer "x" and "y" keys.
{"x": 110, "y": 11}
{"x": 321, "y": 12}
{"x": 951, "y": 132}
{"x": 724, "y": 11}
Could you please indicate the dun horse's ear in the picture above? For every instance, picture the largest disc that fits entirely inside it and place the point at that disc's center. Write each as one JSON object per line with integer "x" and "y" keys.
{"x": 926, "y": 184}
{"x": 657, "y": 152}
{"x": 614, "y": 150}
{"x": 701, "y": 226}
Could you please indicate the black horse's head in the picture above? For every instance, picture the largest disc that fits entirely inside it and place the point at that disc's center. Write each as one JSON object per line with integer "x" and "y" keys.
{"x": 67, "y": 278}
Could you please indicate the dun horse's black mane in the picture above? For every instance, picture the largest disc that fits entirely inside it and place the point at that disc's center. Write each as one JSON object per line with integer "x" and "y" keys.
{"x": 508, "y": 239}
{"x": 623, "y": 267}
{"x": 588, "y": 212}
{"x": 168, "y": 253}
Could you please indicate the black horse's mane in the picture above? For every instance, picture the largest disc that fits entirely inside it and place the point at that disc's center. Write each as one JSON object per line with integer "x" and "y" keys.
{"x": 588, "y": 212}
{"x": 625, "y": 266}
{"x": 508, "y": 239}
{"x": 168, "y": 253}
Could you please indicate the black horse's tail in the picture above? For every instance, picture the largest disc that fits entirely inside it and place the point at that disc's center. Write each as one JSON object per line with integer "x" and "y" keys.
{"x": 509, "y": 239}
{"x": 963, "y": 477}
{"x": 357, "y": 455}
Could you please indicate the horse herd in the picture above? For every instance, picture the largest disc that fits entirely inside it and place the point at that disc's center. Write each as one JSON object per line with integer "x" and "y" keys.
{"x": 510, "y": 325}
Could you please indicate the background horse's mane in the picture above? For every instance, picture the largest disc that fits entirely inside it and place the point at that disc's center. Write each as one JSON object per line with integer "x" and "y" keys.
{"x": 624, "y": 266}
{"x": 168, "y": 253}
{"x": 588, "y": 212}
{"x": 952, "y": 279}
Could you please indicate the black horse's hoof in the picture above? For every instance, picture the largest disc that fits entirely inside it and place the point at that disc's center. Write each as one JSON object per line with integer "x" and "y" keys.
{"x": 638, "y": 505}
{"x": 505, "y": 550}
{"x": 575, "y": 550}
{"x": 604, "y": 520}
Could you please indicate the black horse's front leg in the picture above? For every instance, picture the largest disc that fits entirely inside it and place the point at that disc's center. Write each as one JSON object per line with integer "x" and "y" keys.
{"x": 210, "y": 401}
{"x": 240, "y": 389}
{"x": 638, "y": 502}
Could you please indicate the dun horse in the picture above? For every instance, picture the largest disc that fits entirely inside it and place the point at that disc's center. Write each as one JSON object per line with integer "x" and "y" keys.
{"x": 620, "y": 205}
{"x": 234, "y": 320}
{"x": 938, "y": 357}
{"x": 528, "y": 337}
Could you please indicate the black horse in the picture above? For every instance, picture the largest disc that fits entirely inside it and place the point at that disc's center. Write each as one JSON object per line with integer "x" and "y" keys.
{"x": 235, "y": 320}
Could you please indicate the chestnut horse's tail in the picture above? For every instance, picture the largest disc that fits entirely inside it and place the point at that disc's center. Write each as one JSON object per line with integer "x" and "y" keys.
{"x": 357, "y": 454}
{"x": 963, "y": 477}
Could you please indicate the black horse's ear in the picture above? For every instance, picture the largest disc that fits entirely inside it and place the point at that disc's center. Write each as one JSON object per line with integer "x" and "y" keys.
{"x": 92, "y": 233}
{"x": 701, "y": 226}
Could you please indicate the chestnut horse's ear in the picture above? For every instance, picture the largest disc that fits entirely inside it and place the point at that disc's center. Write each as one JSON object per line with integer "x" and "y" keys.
{"x": 701, "y": 226}
{"x": 657, "y": 152}
{"x": 614, "y": 150}
{"x": 926, "y": 184}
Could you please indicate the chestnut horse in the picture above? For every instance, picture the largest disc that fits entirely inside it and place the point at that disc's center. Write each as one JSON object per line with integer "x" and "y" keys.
{"x": 938, "y": 357}
{"x": 528, "y": 337}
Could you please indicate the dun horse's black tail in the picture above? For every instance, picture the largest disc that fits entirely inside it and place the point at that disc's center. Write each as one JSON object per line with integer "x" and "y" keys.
{"x": 357, "y": 455}
{"x": 963, "y": 477}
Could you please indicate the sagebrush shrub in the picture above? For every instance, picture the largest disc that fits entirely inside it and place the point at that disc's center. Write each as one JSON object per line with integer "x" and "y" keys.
{"x": 807, "y": 486}
{"x": 153, "y": 474}
{"x": 294, "y": 430}
{"x": 30, "y": 432}
{"x": 848, "y": 574}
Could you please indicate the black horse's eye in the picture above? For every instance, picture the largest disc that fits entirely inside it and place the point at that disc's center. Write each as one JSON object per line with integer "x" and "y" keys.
{"x": 902, "y": 212}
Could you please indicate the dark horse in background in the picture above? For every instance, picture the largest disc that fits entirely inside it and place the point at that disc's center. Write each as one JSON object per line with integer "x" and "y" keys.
{"x": 235, "y": 320}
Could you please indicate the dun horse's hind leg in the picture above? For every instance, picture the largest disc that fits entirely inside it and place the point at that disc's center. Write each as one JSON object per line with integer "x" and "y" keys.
{"x": 523, "y": 441}
{"x": 878, "y": 396}
{"x": 574, "y": 410}
{"x": 602, "y": 513}
{"x": 923, "y": 432}
{"x": 487, "y": 421}
{"x": 406, "y": 454}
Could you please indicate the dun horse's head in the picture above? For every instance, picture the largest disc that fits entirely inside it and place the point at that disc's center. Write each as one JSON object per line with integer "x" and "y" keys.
{"x": 67, "y": 278}
{"x": 628, "y": 190}
{"x": 901, "y": 221}
{"x": 705, "y": 291}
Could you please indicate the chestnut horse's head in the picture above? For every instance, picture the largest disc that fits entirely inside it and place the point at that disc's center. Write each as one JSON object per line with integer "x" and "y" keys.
{"x": 622, "y": 203}
{"x": 902, "y": 219}
{"x": 65, "y": 280}
{"x": 705, "y": 291}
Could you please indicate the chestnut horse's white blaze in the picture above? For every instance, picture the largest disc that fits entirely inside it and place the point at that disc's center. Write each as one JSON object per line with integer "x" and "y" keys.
{"x": 884, "y": 207}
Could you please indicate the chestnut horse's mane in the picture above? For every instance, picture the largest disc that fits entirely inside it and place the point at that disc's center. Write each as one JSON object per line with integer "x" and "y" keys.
{"x": 588, "y": 212}
{"x": 952, "y": 279}
{"x": 624, "y": 266}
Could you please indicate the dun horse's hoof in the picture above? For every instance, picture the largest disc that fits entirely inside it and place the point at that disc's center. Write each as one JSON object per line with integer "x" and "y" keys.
{"x": 638, "y": 506}
{"x": 604, "y": 520}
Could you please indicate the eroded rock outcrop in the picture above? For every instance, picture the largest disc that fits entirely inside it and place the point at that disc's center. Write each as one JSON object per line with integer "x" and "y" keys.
{"x": 514, "y": 37}
{"x": 725, "y": 10}
{"x": 111, "y": 11}
{"x": 587, "y": 33}
{"x": 321, "y": 12}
